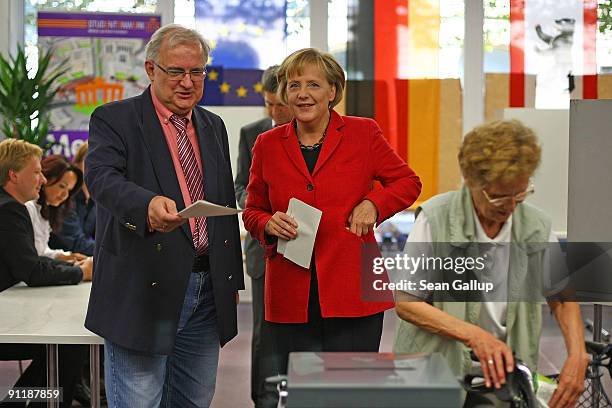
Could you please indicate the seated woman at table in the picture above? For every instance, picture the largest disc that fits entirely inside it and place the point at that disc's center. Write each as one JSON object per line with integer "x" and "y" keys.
{"x": 77, "y": 231}
{"x": 54, "y": 202}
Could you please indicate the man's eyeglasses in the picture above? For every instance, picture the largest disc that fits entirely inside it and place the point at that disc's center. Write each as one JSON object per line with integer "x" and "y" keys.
{"x": 504, "y": 200}
{"x": 177, "y": 74}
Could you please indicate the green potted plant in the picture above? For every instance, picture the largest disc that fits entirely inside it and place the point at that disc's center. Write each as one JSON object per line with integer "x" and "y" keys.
{"x": 25, "y": 100}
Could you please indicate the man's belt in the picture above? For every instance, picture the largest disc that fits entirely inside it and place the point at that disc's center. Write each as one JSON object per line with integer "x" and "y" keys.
{"x": 201, "y": 263}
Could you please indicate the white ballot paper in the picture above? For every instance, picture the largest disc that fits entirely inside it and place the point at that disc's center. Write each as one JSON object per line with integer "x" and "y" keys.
{"x": 202, "y": 208}
{"x": 299, "y": 250}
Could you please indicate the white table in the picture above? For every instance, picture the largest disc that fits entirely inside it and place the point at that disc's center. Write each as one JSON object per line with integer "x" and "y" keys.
{"x": 51, "y": 315}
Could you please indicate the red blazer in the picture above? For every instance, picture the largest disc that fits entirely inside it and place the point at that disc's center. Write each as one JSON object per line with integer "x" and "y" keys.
{"x": 354, "y": 154}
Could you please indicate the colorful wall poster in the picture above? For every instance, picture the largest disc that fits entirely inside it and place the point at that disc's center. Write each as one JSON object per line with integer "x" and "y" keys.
{"x": 105, "y": 54}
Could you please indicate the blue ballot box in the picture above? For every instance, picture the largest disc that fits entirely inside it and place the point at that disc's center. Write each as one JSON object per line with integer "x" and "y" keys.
{"x": 372, "y": 380}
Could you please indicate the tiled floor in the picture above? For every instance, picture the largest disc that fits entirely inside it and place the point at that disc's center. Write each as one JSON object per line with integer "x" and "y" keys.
{"x": 233, "y": 378}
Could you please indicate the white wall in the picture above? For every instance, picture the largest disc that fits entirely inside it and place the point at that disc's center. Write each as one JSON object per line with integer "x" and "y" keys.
{"x": 236, "y": 117}
{"x": 552, "y": 129}
{"x": 473, "y": 66}
{"x": 318, "y": 19}
{"x": 11, "y": 25}
{"x": 165, "y": 8}
{"x": 4, "y": 27}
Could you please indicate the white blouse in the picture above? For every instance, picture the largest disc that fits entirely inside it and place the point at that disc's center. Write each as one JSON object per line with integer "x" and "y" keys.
{"x": 42, "y": 231}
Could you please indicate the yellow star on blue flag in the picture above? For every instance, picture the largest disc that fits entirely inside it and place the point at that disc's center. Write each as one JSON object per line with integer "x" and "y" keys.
{"x": 242, "y": 92}
{"x": 212, "y": 75}
{"x": 225, "y": 87}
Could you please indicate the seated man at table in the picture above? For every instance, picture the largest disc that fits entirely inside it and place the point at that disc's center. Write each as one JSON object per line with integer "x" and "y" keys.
{"x": 20, "y": 180}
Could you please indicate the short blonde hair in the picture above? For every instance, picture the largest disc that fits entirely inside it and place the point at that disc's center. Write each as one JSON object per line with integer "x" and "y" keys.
{"x": 14, "y": 155}
{"x": 79, "y": 157}
{"x": 295, "y": 63}
{"x": 503, "y": 150}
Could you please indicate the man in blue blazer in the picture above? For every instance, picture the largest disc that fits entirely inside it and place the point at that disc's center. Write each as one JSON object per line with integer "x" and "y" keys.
{"x": 164, "y": 293}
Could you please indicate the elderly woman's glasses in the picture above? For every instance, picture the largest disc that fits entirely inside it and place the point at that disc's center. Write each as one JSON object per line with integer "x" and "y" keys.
{"x": 504, "y": 200}
{"x": 177, "y": 74}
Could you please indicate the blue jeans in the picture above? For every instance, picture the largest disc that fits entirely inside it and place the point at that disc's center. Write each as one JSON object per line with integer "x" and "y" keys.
{"x": 185, "y": 378}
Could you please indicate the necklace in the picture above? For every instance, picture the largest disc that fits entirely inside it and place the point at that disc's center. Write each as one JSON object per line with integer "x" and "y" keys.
{"x": 316, "y": 145}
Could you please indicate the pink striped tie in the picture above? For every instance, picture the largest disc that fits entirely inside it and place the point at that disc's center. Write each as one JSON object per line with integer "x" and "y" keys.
{"x": 193, "y": 177}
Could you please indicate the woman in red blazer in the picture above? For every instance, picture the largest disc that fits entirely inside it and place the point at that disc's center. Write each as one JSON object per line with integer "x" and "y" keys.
{"x": 330, "y": 162}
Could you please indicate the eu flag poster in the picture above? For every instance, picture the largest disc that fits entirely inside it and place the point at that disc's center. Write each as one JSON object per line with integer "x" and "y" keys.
{"x": 232, "y": 87}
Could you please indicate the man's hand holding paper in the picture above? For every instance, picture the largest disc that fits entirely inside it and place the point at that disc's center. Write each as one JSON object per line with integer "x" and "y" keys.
{"x": 162, "y": 215}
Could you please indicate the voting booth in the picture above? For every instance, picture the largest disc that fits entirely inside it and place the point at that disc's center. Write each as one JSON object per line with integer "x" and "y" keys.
{"x": 589, "y": 221}
{"x": 372, "y": 380}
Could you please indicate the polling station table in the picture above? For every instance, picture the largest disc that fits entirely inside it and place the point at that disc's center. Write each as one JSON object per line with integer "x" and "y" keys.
{"x": 51, "y": 315}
